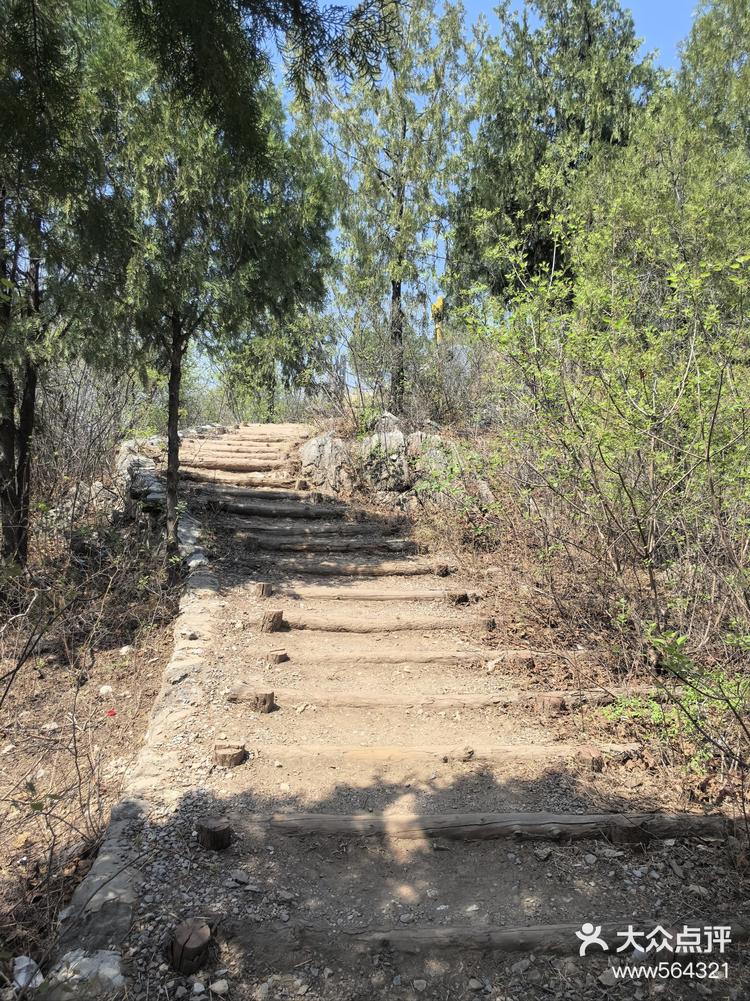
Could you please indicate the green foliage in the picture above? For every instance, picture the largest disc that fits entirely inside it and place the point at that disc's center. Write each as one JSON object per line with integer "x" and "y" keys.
{"x": 450, "y": 476}
{"x": 715, "y": 72}
{"x": 624, "y": 380}
{"x": 394, "y": 147}
{"x": 213, "y": 53}
{"x": 547, "y": 99}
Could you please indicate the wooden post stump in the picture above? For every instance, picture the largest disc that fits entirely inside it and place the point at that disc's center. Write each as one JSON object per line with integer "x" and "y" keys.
{"x": 263, "y": 589}
{"x": 458, "y": 597}
{"x": 229, "y": 754}
{"x": 262, "y": 702}
{"x": 550, "y": 705}
{"x": 277, "y": 656}
{"x": 590, "y": 758}
{"x": 188, "y": 950}
{"x": 272, "y": 622}
{"x": 214, "y": 833}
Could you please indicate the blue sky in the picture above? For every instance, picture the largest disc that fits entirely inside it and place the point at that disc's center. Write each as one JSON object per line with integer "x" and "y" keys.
{"x": 662, "y": 24}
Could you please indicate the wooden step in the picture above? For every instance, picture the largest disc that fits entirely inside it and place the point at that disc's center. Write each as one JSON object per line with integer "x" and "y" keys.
{"x": 270, "y": 493}
{"x": 283, "y": 527}
{"x": 558, "y": 939}
{"x": 210, "y": 478}
{"x": 618, "y": 828}
{"x": 312, "y": 593}
{"x": 233, "y": 465}
{"x": 235, "y": 447}
{"x": 265, "y": 431}
{"x": 300, "y": 543}
{"x": 472, "y": 752}
{"x": 547, "y": 703}
{"x": 282, "y": 509}
{"x": 363, "y": 657}
{"x": 344, "y": 568}
{"x": 345, "y": 624}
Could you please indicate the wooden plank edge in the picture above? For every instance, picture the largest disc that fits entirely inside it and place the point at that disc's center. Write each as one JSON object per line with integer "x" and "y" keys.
{"x": 620, "y": 828}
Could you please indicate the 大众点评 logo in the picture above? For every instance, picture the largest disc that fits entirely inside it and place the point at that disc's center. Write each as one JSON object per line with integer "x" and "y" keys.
{"x": 691, "y": 940}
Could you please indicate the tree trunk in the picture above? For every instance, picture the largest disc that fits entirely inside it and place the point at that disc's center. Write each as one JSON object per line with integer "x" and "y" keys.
{"x": 8, "y": 494}
{"x": 177, "y": 349}
{"x": 397, "y": 346}
{"x": 23, "y": 465}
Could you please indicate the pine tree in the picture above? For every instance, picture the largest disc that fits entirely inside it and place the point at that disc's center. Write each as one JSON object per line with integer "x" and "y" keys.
{"x": 221, "y": 248}
{"x": 562, "y": 81}
{"x": 394, "y": 145}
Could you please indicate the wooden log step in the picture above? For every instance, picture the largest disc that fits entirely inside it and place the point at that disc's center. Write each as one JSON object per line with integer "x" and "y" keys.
{"x": 234, "y": 465}
{"x": 379, "y": 657}
{"x": 379, "y": 754}
{"x": 312, "y": 593}
{"x": 331, "y": 624}
{"x": 236, "y": 447}
{"x": 211, "y": 478}
{"x": 285, "y": 527}
{"x": 268, "y": 431}
{"x": 282, "y": 509}
{"x": 191, "y": 454}
{"x": 344, "y": 568}
{"x": 556, "y": 939}
{"x": 198, "y": 456}
{"x": 301, "y": 543}
{"x": 336, "y": 699}
{"x": 620, "y": 828}
{"x": 241, "y": 495}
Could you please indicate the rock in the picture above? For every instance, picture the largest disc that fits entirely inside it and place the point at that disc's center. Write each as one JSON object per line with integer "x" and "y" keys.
{"x": 699, "y": 891}
{"x": 589, "y": 859}
{"x": 180, "y": 992}
{"x": 198, "y": 988}
{"x": 125, "y": 651}
{"x": 543, "y": 853}
{"x": 326, "y": 462}
{"x": 386, "y": 422}
{"x": 608, "y": 978}
{"x": 26, "y": 973}
{"x": 520, "y": 967}
{"x": 475, "y": 985}
{"x": 105, "y": 691}
{"x": 220, "y": 988}
{"x": 239, "y": 876}
{"x": 419, "y": 985}
{"x": 83, "y": 974}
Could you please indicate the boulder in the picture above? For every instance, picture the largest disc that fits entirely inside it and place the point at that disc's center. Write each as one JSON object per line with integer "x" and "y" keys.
{"x": 326, "y": 462}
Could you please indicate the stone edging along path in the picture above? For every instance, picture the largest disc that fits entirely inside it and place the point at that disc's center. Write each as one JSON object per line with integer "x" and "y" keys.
{"x": 95, "y": 925}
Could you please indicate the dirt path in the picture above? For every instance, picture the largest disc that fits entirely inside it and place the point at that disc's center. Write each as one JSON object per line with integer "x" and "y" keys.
{"x": 422, "y": 814}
